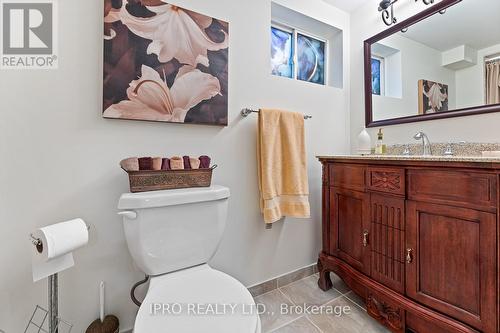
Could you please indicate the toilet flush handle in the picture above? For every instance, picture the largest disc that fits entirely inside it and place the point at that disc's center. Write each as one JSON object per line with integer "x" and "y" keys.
{"x": 130, "y": 214}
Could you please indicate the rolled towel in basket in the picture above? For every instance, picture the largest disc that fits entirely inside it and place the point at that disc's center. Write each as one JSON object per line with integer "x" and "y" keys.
{"x": 145, "y": 163}
{"x": 204, "y": 162}
{"x": 187, "y": 164}
{"x": 130, "y": 164}
{"x": 165, "y": 164}
{"x": 156, "y": 163}
{"x": 194, "y": 162}
{"x": 176, "y": 163}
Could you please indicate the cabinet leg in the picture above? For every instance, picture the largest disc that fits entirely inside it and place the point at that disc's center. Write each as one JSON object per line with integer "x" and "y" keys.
{"x": 324, "y": 281}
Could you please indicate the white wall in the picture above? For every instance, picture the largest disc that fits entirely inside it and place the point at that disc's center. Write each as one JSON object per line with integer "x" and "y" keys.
{"x": 471, "y": 80}
{"x": 393, "y": 75}
{"x": 61, "y": 161}
{"x": 418, "y": 61}
{"x": 366, "y": 22}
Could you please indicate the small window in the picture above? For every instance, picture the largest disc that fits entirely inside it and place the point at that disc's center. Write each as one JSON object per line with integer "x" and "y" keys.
{"x": 311, "y": 59}
{"x": 378, "y": 76}
{"x": 282, "y": 52}
{"x": 297, "y": 55}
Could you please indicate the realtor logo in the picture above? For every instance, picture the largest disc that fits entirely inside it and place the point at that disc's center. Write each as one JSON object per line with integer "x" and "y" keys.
{"x": 28, "y": 34}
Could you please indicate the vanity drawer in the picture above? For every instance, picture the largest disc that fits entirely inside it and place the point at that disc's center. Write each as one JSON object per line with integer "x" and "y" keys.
{"x": 390, "y": 180}
{"x": 462, "y": 188}
{"x": 348, "y": 176}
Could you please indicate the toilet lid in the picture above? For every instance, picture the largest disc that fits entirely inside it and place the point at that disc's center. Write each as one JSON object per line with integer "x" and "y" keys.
{"x": 198, "y": 299}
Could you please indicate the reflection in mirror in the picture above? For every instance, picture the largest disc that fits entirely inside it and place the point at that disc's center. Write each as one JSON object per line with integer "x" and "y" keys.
{"x": 441, "y": 64}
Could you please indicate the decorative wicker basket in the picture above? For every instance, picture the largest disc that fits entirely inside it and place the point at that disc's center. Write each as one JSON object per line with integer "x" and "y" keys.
{"x": 154, "y": 180}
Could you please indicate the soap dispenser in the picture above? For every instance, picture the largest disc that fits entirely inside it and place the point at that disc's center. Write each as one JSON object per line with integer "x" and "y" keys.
{"x": 380, "y": 147}
{"x": 364, "y": 143}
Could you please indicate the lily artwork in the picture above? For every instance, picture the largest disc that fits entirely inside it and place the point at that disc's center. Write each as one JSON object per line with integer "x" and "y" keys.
{"x": 164, "y": 63}
{"x": 432, "y": 97}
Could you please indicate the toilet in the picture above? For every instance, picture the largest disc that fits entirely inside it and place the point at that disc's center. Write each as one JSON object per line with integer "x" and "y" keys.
{"x": 171, "y": 236}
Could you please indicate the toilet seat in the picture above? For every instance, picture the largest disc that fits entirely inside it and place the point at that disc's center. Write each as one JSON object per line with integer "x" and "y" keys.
{"x": 197, "y": 299}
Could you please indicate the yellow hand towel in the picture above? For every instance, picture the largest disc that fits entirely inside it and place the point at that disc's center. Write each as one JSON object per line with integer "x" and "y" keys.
{"x": 284, "y": 189}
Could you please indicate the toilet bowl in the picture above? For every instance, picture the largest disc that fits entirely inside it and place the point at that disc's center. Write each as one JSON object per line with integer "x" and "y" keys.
{"x": 171, "y": 235}
{"x": 198, "y": 299}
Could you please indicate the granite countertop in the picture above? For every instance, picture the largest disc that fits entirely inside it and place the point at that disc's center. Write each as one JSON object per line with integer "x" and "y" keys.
{"x": 436, "y": 158}
{"x": 465, "y": 152}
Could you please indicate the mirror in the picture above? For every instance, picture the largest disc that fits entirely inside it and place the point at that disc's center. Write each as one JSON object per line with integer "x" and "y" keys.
{"x": 443, "y": 65}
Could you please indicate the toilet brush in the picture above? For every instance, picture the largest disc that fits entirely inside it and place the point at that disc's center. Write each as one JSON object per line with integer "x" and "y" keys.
{"x": 105, "y": 324}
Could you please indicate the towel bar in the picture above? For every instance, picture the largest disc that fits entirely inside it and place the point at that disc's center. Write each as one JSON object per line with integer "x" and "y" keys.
{"x": 246, "y": 112}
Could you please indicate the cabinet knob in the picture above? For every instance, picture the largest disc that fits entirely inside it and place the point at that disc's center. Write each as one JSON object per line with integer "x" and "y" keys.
{"x": 365, "y": 238}
{"x": 409, "y": 257}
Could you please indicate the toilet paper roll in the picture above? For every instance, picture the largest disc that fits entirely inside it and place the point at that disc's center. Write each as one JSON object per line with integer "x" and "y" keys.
{"x": 61, "y": 238}
{"x": 44, "y": 268}
{"x": 57, "y": 241}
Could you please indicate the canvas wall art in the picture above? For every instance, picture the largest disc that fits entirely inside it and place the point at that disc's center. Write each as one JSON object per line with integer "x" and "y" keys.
{"x": 164, "y": 63}
{"x": 432, "y": 97}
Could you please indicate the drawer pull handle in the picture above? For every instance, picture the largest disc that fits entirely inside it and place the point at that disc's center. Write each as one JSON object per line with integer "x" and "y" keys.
{"x": 409, "y": 258}
{"x": 365, "y": 238}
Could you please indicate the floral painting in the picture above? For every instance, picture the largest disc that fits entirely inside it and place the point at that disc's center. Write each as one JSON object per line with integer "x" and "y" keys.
{"x": 164, "y": 63}
{"x": 432, "y": 97}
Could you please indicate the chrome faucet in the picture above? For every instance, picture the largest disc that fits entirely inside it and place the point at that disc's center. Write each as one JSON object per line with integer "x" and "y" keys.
{"x": 426, "y": 144}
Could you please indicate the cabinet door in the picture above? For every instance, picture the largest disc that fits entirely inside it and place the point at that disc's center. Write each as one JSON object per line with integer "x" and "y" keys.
{"x": 387, "y": 240}
{"x": 450, "y": 262}
{"x": 350, "y": 218}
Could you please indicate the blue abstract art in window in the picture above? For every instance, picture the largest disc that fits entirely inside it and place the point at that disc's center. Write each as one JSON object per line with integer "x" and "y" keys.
{"x": 375, "y": 76}
{"x": 311, "y": 59}
{"x": 281, "y": 52}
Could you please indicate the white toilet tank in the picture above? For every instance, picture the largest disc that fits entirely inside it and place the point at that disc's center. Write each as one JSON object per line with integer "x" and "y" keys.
{"x": 174, "y": 229}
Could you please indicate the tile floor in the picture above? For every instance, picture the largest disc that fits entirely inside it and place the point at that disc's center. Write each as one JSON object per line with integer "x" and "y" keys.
{"x": 279, "y": 316}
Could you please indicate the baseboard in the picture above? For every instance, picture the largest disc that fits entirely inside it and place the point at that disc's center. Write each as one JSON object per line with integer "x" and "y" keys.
{"x": 282, "y": 280}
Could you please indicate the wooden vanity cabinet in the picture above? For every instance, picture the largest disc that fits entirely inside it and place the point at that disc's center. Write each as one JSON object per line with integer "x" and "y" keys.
{"x": 451, "y": 261}
{"x": 387, "y": 240}
{"x": 350, "y": 227}
{"x": 417, "y": 240}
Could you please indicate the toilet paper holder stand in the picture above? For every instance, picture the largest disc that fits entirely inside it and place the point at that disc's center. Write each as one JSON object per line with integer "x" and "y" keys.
{"x": 53, "y": 289}
{"x": 53, "y": 312}
{"x": 41, "y": 314}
